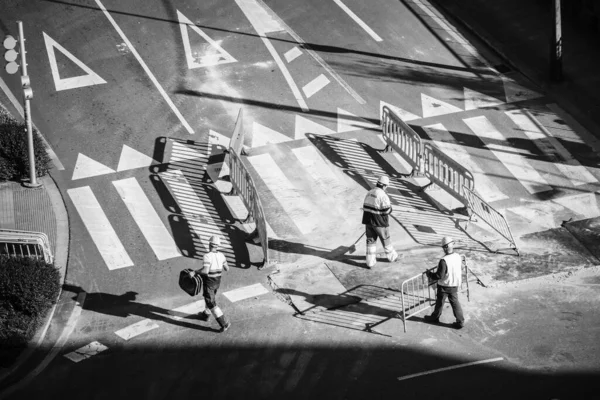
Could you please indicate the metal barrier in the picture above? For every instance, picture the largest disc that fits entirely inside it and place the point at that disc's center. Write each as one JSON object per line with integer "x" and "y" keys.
{"x": 237, "y": 138}
{"x": 476, "y": 205}
{"x": 15, "y": 243}
{"x": 243, "y": 185}
{"x": 416, "y": 292}
{"x": 402, "y": 138}
{"x": 446, "y": 173}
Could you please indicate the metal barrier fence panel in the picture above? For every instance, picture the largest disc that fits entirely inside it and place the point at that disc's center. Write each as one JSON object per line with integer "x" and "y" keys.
{"x": 18, "y": 243}
{"x": 244, "y": 186}
{"x": 491, "y": 216}
{"x": 237, "y": 139}
{"x": 446, "y": 173}
{"x": 402, "y": 138}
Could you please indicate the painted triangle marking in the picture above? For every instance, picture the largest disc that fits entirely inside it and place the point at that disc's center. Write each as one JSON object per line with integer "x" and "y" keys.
{"x": 304, "y": 126}
{"x": 433, "y": 107}
{"x": 132, "y": 159}
{"x": 89, "y": 79}
{"x": 474, "y": 100}
{"x": 515, "y": 92}
{"x": 214, "y": 56}
{"x": 403, "y": 114}
{"x": 215, "y": 138}
{"x": 347, "y": 122}
{"x": 85, "y": 167}
{"x": 262, "y": 135}
{"x": 584, "y": 204}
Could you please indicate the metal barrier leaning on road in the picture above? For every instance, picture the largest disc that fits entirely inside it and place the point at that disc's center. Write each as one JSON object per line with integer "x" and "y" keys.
{"x": 15, "y": 243}
{"x": 476, "y": 205}
{"x": 402, "y": 138}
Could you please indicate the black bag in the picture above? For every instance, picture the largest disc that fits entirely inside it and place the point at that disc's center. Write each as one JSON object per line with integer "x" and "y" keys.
{"x": 191, "y": 286}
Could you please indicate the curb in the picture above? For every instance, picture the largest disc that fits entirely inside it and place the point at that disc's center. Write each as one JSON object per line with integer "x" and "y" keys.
{"x": 60, "y": 261}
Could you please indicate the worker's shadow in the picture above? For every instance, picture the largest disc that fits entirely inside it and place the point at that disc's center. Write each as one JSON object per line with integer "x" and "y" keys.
{"x": 340, "y": 254}
{"x": 125, "y": 305}
{"x": 423, "y": 320}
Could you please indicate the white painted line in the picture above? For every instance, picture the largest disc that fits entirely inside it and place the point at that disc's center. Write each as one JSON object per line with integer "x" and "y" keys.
{"x": 549, "y": 145}
{"x": 19, "y": 108}
{"x": 145, "y": 67}
{"x": 292, "y": 54}
{"x": 146, "y": 218}
{"x": 433, "y": 371}
{"x": 483, "y": 184}
{"x": 260, "y": 18}
{"x": 86, "y": 167}
{"x": 518, "y": 165}
{"x": 359, "y": 21}
{"x": 293, "y": 200}
{"x": 245, "y": 292}
{"x": 180, "y": 313}
{"x": 86, "y": 352}
{"x": 315, "y": 85}
{"x": 103, "y": 235}
{"x": 89, "y": 79}
{"x": 132, "y": 159}
{"x": 136, "y": 329}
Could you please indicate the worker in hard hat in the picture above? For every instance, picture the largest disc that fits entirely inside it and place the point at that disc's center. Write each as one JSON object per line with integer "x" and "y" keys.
{"x": 376, "y": 211}
{"x": 213, "y": 265}
{"x": 449, "y": 278}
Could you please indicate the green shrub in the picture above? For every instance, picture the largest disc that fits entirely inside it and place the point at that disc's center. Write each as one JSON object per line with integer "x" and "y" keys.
{"x": 28, "y": 289}
{"x": 14, "y": 160}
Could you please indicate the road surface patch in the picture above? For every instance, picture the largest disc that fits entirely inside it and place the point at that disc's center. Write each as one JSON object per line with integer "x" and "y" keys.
{"x": 246, "y": 292}
{"x": 86, "y": 352}
{"x": 434, "y": 371}
{"x": 136, "y": 329}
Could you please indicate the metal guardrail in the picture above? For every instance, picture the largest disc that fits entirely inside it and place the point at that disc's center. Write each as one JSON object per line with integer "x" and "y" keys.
{"x": 16, "y": 243}
{"x": 402, "y": 138}
{"x": 476, "y": 205}
{"x": 243, "y": 185}
{"x": 237, "y": 138}
{"x": 446, "y": 173}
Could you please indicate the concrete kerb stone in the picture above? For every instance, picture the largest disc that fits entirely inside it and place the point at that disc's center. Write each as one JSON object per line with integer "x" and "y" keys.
{"x": 60, "y": 261}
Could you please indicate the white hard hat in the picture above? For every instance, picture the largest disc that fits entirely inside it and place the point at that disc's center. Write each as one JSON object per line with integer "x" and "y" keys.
{"x": 446, "y": 240}
{"x": 215, "y": 240}
{"x": 384, "y": 180}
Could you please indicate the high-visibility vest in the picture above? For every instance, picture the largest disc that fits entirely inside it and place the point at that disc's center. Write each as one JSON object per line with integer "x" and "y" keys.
{"x": 453, "y": 273}
{"x": 376, "y": 208}
{"x": 212, "y": 263}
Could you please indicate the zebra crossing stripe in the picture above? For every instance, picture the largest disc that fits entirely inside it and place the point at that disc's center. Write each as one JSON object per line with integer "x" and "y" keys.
{"x": 484, "y": 185}
{"x": 180, "y": 313}
{"x": 516, "y": 164}
{"x": 543, "y": 139}
{"x": 146, "y": 218}
{"x": 86, "y": 351}
{"x": 103, "y": 235}
{"x": 136, "y": 329}
{"x": 245, "y": 292}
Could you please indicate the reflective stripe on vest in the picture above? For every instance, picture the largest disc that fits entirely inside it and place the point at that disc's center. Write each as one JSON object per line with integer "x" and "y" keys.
{"x": 453, "y": 275}
{"x": 377, "y": 202}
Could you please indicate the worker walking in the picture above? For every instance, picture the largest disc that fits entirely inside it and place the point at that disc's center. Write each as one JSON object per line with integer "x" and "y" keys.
{"x": 213, "y": 264}
{"x": 449, "y": 278}
{"x": 376, "y": 211}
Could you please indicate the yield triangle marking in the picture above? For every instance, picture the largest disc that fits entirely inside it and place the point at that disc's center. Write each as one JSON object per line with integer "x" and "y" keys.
{"x": 474, "y": 100}
{"x": 515, "y": 92}
{"x": 85, "y": 167}
{"x": 215, "y": 138}
{"x": 304, "y": 126}
{"x": 433, "y": 107}
{"x": 403, "y": 114}
{"x": 214, "y": 56}
{"x": 132, "y": 159}
{"x": 261, "y": 135}
{"x": 91, "y": 78}
{"x": 347, "y": 122}
{"x": 582, "y": 204}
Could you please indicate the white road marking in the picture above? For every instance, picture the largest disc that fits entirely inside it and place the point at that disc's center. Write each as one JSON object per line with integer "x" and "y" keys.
{"x": 103, "y": 235}
{"x": 483, "y": 184}
{"x": 86, "y": 351}
{"x": 515, "y": 92}
{"x": 147, "y": 219}
{"x": 317, "y": 168}
{"x": 303, "y": 126}
{"x": 245, "y": 292}
{"x": 359, "y": 21}
{"x": 403, "y": 114}
{"x": 475, "y": 99}
{"x": 136, "y": 329}
{"x": 216, "y": 138}
{"x": 292, "y": 199}
{"x": 221, "y": 56}
{"x": 89, "y": 79}
{"x": 85, "y": 167}
{"x": 19, "y": 108}
{"x": 292, "y": 54}
{"x": 433, "y": 107}
{"x": 315, "y": 85}
{"x": 433, "y": 371}
{"x": 549, "y": 145}
{"x": 180, "y": 313}
{"x": 261, "y": 135}
{"x": 518, "y": 166}
{"x": 132, "y": 159}
{"x": 347, "y": 122}
{"x": 145, "y": 67}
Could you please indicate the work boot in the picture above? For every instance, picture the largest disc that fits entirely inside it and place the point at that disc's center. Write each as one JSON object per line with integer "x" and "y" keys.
{"x": 457, "y": 325}
{"x": 225, "y": 324}
{"x": 203, "y": 316}
{"x": 431, "y": 318}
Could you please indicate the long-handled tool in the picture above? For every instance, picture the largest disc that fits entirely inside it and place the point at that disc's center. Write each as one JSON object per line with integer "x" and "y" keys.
{"x": 352, "y": 248}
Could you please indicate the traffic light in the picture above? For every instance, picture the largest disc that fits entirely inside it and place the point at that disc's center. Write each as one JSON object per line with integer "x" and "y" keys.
{"x": 11, "y": 54}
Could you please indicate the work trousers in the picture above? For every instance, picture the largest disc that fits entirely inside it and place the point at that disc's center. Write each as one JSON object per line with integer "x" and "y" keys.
{"x": 383, "y": 233}
{"x": 209, "y": 290}
{"x": 452, "y": 293}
